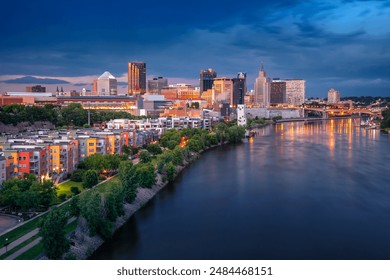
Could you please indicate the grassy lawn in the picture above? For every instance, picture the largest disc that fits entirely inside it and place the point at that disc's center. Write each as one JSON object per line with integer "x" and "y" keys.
{"x": 10, "y": 252}
{"x": 64, "y": 188}
{"x": 104, "y": 186}
{"x": 20, "y": 231}
{"x": 33, "y": 253}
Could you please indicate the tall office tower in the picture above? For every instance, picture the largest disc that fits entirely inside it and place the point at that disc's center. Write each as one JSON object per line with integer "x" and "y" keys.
{"x": 262, "y": 89}
{"x": 223, "y": 89}
{"x": 136, "y": 78}
{"x": 156, "y": 84}
{"x": 107, "y": 84}
{"x": 239, "y": 89}
{"x": 333, "y": 96}
{"x": 278, "y": 92}
{"x": 207, "y": 79}
{"x": 295, "y": 91}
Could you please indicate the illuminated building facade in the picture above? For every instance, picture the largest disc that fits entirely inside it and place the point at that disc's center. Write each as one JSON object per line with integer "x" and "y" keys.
{"x": 136, "y": 78}
{"x": 223, "y": 89}
{"x": 278, "y": 92}
{"x": 262, "y": 89}
{"x": 107, "y": 84}
{"x": 333, "y": 96}
{"x": 295, "y": 91}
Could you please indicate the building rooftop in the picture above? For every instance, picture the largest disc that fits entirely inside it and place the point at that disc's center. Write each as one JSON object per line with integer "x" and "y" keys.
{"x": 106, "y": 75}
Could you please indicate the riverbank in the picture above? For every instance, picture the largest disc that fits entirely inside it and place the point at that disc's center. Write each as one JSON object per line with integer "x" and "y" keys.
{"x": 83, "y": 245}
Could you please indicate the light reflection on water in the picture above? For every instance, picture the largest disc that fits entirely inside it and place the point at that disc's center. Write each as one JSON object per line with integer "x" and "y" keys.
{"x": 296, "y": 191}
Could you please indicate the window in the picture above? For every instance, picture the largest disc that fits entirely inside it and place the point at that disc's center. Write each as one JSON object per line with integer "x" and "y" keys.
{"x": 91, "y": 150}
{"x": 91, "y": 144}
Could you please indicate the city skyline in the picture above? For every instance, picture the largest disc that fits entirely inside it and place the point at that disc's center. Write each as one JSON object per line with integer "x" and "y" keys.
{"x": 337, "y": 44}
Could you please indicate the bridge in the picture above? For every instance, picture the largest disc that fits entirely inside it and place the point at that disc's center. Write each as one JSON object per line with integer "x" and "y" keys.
{"x": 329, "y": 112}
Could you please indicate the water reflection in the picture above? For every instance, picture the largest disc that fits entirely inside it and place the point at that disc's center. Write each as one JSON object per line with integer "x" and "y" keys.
{"x": 316, "y": 190}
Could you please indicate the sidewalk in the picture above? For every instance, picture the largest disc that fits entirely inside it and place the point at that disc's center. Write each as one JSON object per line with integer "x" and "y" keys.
{"x": 19, "y": 241}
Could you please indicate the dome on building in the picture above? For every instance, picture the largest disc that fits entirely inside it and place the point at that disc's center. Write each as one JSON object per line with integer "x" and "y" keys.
{"x": 106, "y": 75}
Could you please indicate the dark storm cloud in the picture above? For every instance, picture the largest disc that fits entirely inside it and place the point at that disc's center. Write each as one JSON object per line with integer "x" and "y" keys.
{"x": 307, "y": 39}
{"x": 33, "y": 80}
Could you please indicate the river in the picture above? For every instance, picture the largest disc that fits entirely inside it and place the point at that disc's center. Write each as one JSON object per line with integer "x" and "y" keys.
{"x": 296, "y": 191}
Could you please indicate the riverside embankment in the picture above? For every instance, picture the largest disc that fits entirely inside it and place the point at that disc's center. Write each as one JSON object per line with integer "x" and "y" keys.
{"x": 83, "y": 245}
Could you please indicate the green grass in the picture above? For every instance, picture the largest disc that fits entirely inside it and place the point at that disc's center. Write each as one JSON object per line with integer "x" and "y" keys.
{"x": 64, "y": 188}
{"x": 20, "y": 231}
{"x": 32, "y": 253}
{"x": 106, "y": 185}
{"x": 17, "y": 248}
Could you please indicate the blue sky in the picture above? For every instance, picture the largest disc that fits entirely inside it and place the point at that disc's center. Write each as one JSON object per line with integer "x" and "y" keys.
{"x": 331, "y": 44}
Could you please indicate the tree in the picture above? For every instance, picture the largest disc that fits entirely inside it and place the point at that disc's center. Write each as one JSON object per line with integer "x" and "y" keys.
{"x": 53, "y": 234}
{"x": 194, "y": 145}
{"x": 171, "y": 172}
{"x": 47, "y": 193}
{"x": 154, "y": 149}
{"x": 77, "y": 175}
{"x": 145, "y": 156}
{"x": 90, "y": 178}
{"x": 89, "y": 205}
{"x": 127, "y": 177}
{"x": 97, "y": 162}
{"x": 178, "y": 156}
{"x": 144, "y": 175}
{"x": 235, "y": 134}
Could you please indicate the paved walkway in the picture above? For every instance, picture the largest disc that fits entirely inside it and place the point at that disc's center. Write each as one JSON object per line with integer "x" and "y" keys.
{"x": 24, "y": 249}
{"x": 19, "y": 241}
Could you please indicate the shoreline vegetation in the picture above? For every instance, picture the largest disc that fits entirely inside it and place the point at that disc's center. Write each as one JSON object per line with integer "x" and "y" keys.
{"x": 103, "y": 209}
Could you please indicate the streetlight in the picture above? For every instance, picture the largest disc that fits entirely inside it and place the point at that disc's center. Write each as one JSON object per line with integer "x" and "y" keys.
{"x": 6, "y": 245}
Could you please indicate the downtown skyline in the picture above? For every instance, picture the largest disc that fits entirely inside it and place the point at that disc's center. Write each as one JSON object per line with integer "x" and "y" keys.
{"x": 332, "y": 44}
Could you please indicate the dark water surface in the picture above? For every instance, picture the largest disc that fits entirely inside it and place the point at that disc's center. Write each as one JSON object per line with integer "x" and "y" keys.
{"x": 296, "y": 191}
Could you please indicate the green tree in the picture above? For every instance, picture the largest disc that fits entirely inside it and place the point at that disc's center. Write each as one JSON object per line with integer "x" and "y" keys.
{"x": 53, "y": 234}
{"x": 127, "y": 177}
{"x": 235, "y": 134}
{"x": 96, "y": 162}
{"x": 154, "y": 149}
{"x": 194, "y": 145}
{"x": 144, "y": 175}
{"x": 171, "y": 172}
{"x": 89, "y": 204}
{"x": 47, "y": 193}
{"x": 90, "y": 178}
{"x": 145, "y": 156}
{"x": 178, "y": 156}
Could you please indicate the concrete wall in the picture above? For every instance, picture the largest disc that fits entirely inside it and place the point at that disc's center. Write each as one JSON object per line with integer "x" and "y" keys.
{"x": 251, "y": 113}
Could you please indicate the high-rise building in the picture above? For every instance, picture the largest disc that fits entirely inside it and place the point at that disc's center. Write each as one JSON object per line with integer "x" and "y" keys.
{"x": 333, "y": 96}
{"x": 223, "y": 89}
{"x": 239, "y": 89}
{"x": 107, "y": 84}
{"x": 262, "y": 89}
{"x": 207, "y": 79}
{"x": 136, "y": 78}
{"x": 295, "y": 91}
{"x": 278, "y": 91}
{"x": 156, "y": 84}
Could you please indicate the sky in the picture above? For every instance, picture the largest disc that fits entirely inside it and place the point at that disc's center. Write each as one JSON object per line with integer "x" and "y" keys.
{"x": 341, "y": 44}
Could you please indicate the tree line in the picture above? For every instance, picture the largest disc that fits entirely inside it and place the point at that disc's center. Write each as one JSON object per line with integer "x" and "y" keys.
{"x": 385, "y": 123}
{"x": 100, "y": 209}
{"x": 73, "y": 114}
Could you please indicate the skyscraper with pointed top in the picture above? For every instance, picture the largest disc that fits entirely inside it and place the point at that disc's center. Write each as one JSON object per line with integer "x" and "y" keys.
{"x": 262, "y": 89}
